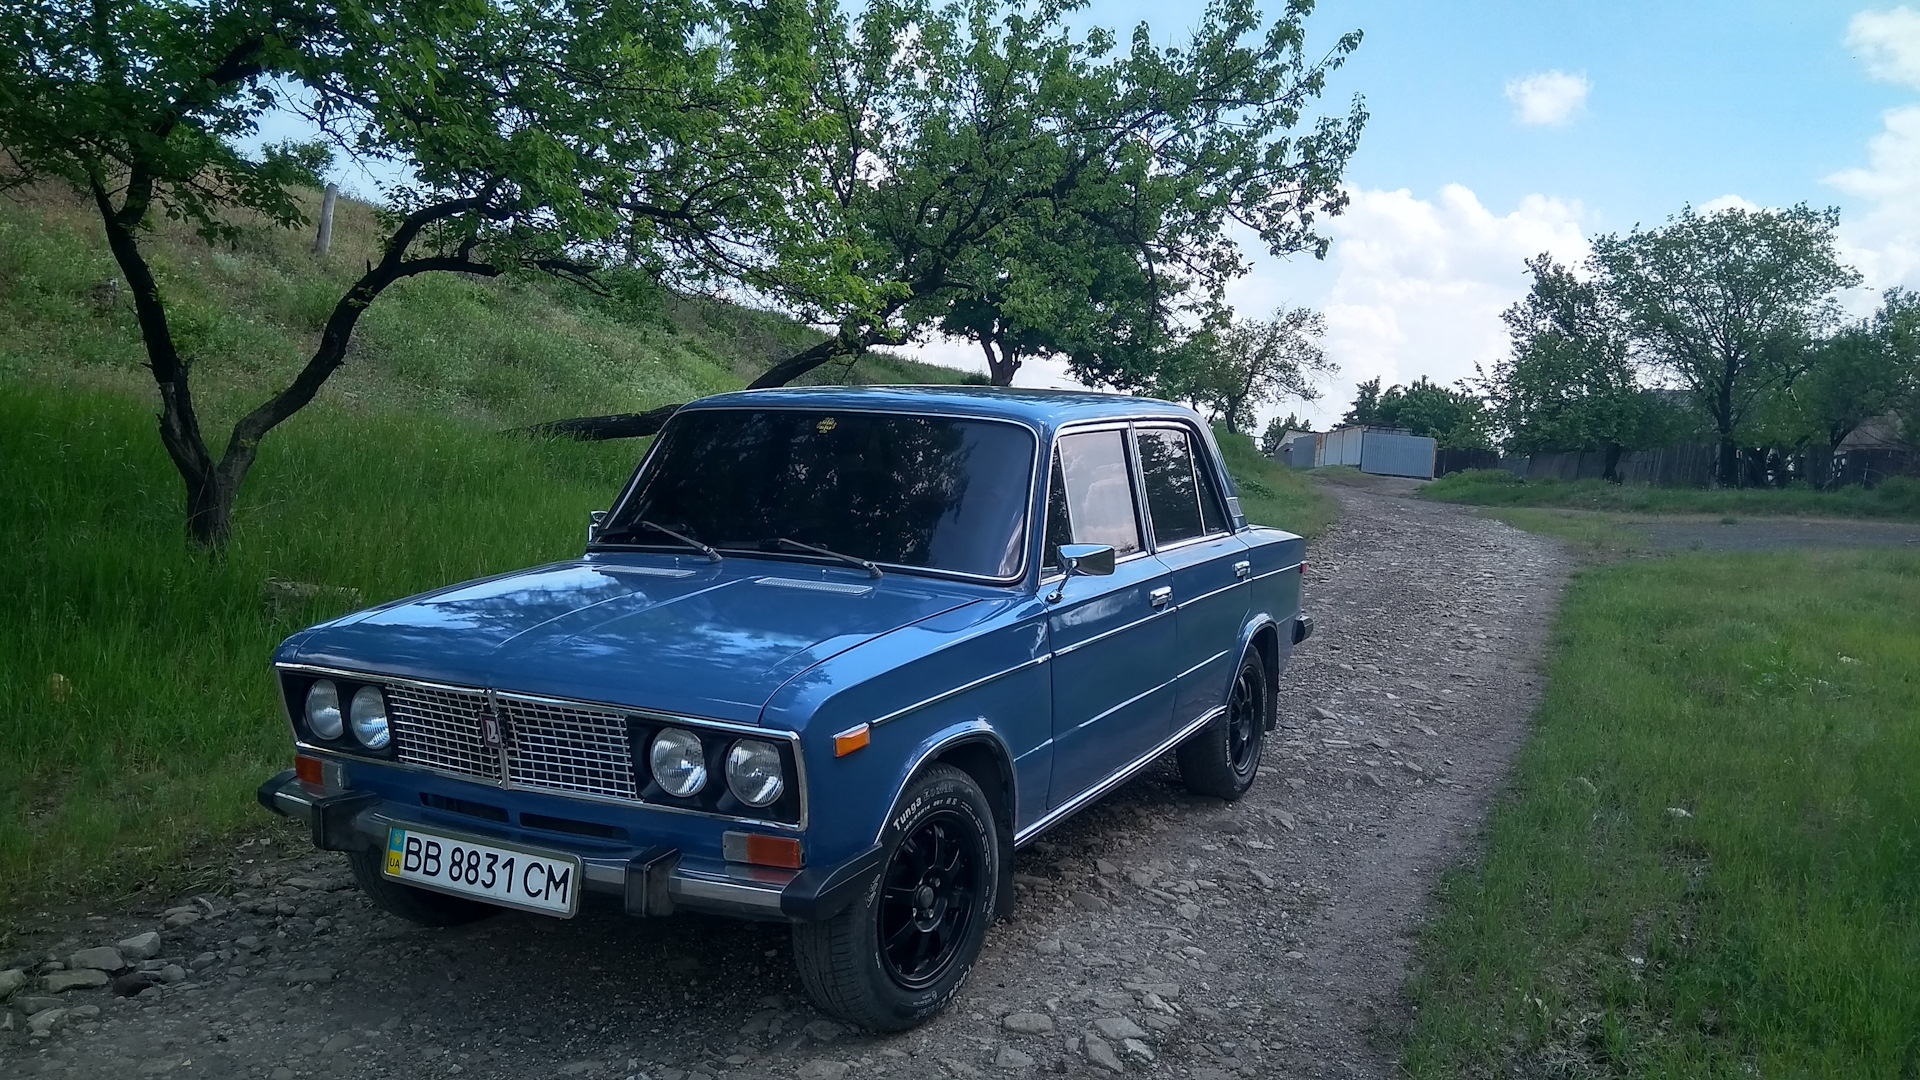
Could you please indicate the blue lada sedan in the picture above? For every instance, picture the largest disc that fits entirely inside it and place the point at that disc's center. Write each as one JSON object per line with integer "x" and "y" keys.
{"x": 831, "y": 657}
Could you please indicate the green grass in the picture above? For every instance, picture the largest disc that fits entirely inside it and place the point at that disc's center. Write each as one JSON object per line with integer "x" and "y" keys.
{"x": 1709, "y": 861}
{"x": 1898, "y": 497}
{"x": 163, "y": 718}
{"x": 1272, "y": 493}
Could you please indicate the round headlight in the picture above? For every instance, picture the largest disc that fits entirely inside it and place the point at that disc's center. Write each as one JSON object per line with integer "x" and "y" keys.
{"x": 369, "y": 715}
{"x": 323, "y": 710}
{"x": 753, "y": 772}
{"x": 679, "y": 763}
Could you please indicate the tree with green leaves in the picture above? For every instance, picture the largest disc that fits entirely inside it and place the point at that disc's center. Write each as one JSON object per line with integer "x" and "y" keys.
{"x": 985, "y": 170}
{"x": 1854, "y": 375}
{"x": 1453, "y": 419}
{"x": 1571, "y": 381}
{"x": 1728, "y": 303}
{"x": 534, "y": 138}
{"x": 1228, "y": 372}
{"x": 1277, "y": 429}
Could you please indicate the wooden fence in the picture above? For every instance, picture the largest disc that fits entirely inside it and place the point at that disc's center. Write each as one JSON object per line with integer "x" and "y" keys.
{"x": 1695, "y": 466}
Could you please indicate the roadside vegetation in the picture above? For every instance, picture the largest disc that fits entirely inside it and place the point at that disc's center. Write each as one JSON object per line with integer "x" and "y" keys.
{"x": 1705, "y": 863}
{"x": 134, "y": 700}
{"x": 1897, "y": 497}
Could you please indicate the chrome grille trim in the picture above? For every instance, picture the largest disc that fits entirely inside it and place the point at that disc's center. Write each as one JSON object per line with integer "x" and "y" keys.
{"x": 440, "y": 729}
{"x": 569, "y": 749}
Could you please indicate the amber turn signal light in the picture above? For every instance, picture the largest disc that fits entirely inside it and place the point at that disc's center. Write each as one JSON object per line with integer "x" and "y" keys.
{"x": 308, "y": 770}
{"x": 851, "y": 739}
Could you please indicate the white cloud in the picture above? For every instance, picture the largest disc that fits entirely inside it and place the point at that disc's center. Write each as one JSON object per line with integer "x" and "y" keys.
{"x": 1418, "y": 285}
{"x": 1881, "y": 236}
{"x": 1728, "y": 201}
{"x": 1889, "y": 44}
{"x": 1548, "y": 98}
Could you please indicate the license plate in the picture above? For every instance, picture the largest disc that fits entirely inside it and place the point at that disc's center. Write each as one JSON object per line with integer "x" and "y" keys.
{"x": 542, "y": 881}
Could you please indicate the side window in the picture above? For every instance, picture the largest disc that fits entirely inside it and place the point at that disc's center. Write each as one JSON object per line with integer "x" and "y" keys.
{"x": 1099, "y": 491}
{"x": 1059, "y": 528}
{"x": 1213, "y": 508}
{"x": 1173, "y": 490}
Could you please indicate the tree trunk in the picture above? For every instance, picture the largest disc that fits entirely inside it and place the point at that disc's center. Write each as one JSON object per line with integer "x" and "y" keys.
{"x": 323, "y": 239}
{"x": 1611, "y": 473}
{"x": 1001, "y": 364}
{"x": 1727, "y": 472}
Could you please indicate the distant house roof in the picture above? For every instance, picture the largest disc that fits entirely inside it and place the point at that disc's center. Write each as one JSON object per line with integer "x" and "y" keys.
{"x": 1879, "y": 433}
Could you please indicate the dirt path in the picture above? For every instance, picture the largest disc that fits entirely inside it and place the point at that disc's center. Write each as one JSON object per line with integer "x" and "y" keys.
{"x": 1157, "y": 933}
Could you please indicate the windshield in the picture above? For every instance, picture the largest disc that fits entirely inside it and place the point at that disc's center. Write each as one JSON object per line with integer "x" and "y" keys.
{"x": 932, "y": 492}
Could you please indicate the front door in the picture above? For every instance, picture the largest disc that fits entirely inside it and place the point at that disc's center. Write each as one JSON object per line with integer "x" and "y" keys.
{"x": 1112, "y": 637}
{"x": 1207, "y": 563}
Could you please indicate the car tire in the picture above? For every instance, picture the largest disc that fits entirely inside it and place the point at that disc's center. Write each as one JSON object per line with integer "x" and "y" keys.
{"x": 903, "y": 948}
{"x": 1222, "y": 758}
{"x": 423, "y": 906}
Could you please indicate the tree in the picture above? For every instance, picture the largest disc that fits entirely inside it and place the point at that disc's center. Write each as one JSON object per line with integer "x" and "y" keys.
{"x": 1277, "y": 429}
{"x": 981, "y": 168}
{"x": 1570, "y": 381}
{"x": 1866, "y": 370}
{"x": 1728, "y": 303}
{"x": 1454, "y": 419}
{"x": 299, "y": 162}
{"x": 533, "y": 135}
{"x": 1229, "y": 372}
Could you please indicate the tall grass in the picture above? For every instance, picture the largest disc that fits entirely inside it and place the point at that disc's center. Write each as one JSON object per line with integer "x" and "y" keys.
{"x": 1272, "y": 493}
{"x": 1709, "y": 864}
{"x": 135, "y": 706}
{"x": 1897, "y": 497}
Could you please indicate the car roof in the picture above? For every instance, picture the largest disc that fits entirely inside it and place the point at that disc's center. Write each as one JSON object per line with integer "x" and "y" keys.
{"x": 1046, "y": 409}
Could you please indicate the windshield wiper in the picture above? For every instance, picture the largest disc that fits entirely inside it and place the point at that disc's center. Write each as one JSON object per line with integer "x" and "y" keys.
{"x": 848, "y": 559}
{"x": 687, "y": 540}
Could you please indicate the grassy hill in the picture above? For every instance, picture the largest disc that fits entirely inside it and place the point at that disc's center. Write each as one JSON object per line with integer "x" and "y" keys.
{"x": 135, "y": 706}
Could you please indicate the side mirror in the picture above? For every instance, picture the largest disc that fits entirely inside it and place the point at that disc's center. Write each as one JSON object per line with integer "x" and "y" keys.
{"x": 1090, "y": 560}
{"x": 595, "y": 519}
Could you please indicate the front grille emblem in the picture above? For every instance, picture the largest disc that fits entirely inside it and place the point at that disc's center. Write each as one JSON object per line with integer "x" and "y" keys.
{"x": 493, "y": 730}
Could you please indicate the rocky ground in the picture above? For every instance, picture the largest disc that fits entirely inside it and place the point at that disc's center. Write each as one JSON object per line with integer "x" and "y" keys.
{"x": 1157, "y": 934}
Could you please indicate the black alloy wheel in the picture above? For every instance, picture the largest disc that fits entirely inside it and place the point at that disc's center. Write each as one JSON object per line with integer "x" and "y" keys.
{"x": 1222, "y": 758}
{"x": 902, "y": 949}
{"x": 927, "y": 901}
{"x": 1246, "y": 718}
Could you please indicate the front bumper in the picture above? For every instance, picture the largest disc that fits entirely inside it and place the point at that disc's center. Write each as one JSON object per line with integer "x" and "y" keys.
{"x": 644, "y": 881}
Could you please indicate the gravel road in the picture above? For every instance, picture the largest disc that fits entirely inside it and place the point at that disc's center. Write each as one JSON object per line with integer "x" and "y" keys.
{"x": 1156, "y": 934}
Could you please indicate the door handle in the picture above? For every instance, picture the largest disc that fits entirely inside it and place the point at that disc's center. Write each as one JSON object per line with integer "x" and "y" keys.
{"x": 1161, "y": 595}
{"x": 1242, "y": 568}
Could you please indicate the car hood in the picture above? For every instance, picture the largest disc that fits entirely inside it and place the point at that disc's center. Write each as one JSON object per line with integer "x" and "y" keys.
{"x": 668, "y": 634}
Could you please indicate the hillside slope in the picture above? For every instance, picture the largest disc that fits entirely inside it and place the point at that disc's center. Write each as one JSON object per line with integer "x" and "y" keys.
{"x": 135, "y": 706}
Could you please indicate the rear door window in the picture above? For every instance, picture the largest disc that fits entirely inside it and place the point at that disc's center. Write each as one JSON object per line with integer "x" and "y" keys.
{"x": 1174, "y": 490}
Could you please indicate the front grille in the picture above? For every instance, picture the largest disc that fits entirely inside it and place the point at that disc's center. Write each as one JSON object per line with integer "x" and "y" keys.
{"x": 549, "y": 745}
{"x": 441, "y": 730}
{"x": 571, "y": 749}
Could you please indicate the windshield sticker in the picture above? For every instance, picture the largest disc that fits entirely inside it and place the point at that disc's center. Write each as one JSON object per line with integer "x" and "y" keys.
{"x": 826, "y": 424}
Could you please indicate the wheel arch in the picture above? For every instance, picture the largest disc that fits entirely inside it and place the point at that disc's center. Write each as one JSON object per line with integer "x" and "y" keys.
{"x": 1262, "y": 635}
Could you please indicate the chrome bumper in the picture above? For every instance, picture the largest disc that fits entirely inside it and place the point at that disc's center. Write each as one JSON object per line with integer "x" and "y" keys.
{"x": 648, "y": 881}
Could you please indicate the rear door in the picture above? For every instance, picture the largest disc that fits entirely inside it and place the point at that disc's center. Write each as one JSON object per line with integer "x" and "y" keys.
{"x": 1207, "y": 564}
{"x": 1112, "y": 638}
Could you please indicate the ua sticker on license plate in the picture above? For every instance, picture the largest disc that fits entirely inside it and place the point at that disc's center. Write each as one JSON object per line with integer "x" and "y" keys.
{"x": 540, "y": 881}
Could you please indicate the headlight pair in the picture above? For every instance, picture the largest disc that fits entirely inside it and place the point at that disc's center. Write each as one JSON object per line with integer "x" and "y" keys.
{"x": 679, "y": 763}
{"x": 366, "y": 714}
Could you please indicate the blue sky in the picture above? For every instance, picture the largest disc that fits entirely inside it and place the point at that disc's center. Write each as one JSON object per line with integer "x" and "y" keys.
{"x": 1638, "y": 109}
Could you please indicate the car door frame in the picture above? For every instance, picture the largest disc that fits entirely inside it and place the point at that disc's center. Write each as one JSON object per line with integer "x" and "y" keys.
{"x": 1213, "y": 587}
{"x": 1072, "y": 785}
